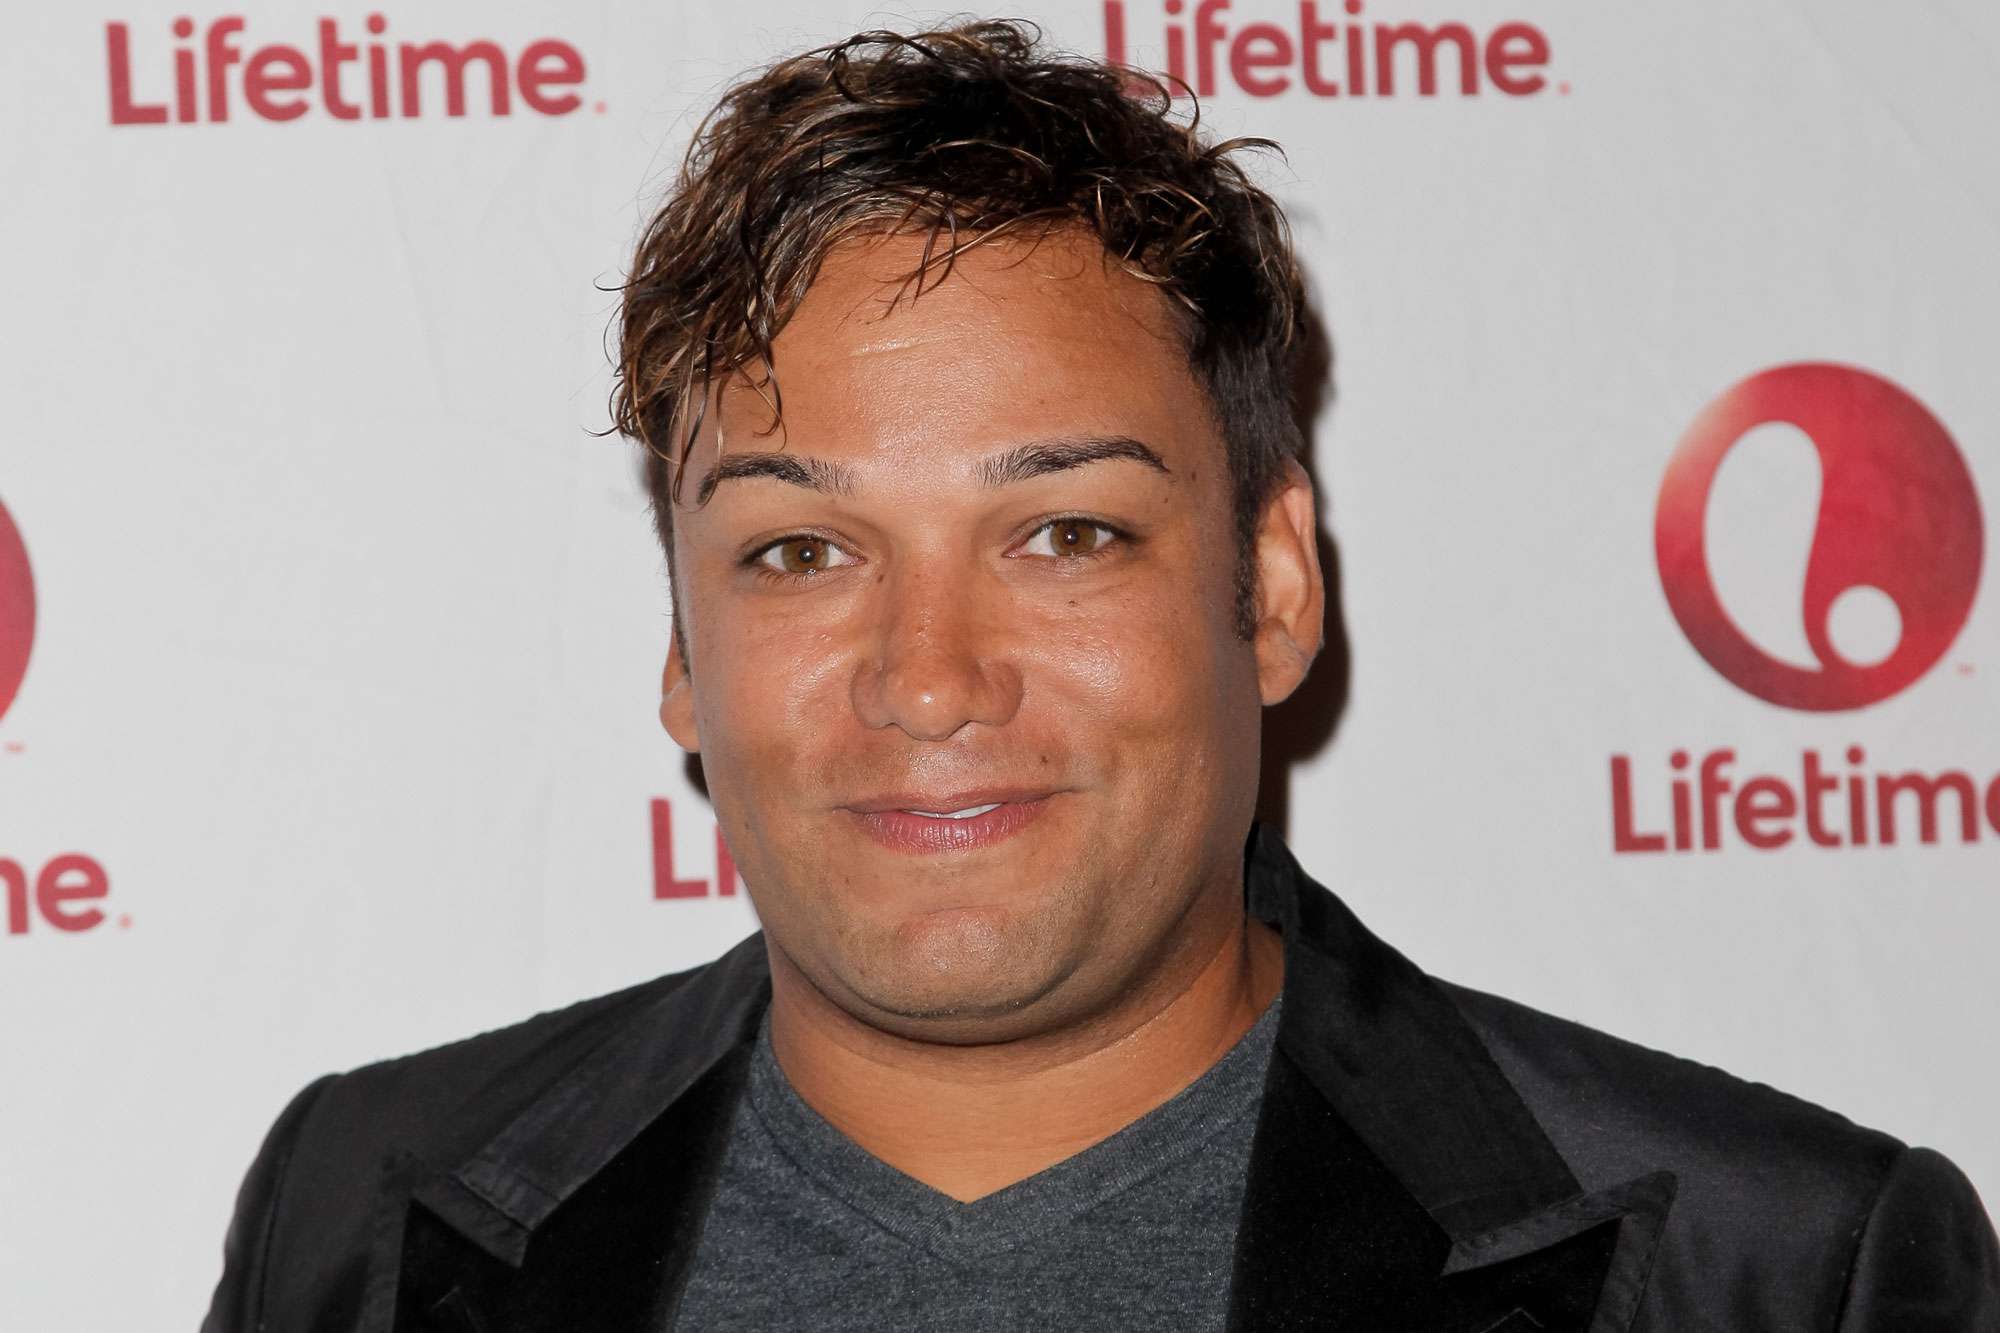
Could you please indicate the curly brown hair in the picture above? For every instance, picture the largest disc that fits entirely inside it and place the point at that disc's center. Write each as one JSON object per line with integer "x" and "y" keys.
{"x": 969, "y": 133}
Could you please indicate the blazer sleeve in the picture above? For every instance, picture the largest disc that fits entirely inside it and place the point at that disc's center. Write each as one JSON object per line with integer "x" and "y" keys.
{"x": 237, "y": 1306}
{"x": 1926, "y": 1261}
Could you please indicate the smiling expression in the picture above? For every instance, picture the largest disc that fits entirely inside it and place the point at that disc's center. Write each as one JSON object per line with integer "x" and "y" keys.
{"x": 965, "y": 674}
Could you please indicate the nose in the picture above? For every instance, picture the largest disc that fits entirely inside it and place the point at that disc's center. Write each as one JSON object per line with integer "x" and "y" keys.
{"x": 936, "y": 661}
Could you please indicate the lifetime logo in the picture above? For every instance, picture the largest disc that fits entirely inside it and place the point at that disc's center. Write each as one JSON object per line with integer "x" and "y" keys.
{"x": 1332, "y": 52}
{"x": 277, "y": 80}
{"x": 1897, "y": 535}
{"x": 1887, "y": 566}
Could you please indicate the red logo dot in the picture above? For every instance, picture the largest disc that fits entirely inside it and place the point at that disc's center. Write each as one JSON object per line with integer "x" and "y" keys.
{"x": 17, "y": 610}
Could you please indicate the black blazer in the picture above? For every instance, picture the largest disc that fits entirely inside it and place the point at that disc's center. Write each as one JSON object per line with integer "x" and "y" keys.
{"x": 1427, "y": 1158}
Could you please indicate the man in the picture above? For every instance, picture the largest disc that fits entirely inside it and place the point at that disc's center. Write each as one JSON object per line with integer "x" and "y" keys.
{"x": 964, "y": 375}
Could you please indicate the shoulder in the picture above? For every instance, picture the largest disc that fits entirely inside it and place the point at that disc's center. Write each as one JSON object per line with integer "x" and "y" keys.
{"x": 453, "y": 1097}
{"x": 1614, "y": 1108}
{"x": 311, "y": 1206}
{"x": 1785, "y": 1213}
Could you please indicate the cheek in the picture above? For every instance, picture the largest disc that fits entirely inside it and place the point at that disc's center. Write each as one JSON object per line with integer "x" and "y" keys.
{"x": 778, "y": 692}
{"x": 1177, "y": 692}
{"x": 1139, "y": 660}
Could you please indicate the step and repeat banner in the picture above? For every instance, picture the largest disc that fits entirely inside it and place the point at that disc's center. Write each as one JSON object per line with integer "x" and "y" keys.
{"x": 1662, "y": 439}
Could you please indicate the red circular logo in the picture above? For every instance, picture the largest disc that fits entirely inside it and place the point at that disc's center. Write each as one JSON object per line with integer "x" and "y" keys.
{"x": 17, "y": 610}
{"x": 1897, "y": 519}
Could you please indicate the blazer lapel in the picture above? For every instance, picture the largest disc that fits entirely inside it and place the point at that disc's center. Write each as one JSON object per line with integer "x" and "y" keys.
{"x": 1397, "y": 1180}
{"x": 585, "y": 1210}
{"x": 613, "y": 1257}
{"x": 1632, "y": 1214}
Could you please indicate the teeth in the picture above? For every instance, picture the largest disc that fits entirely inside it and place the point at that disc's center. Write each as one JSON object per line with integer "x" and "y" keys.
{"x": 970, "y": 812}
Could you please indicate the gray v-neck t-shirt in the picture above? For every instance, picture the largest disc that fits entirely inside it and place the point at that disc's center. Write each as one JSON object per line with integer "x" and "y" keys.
{"x": 809, "y": 1231}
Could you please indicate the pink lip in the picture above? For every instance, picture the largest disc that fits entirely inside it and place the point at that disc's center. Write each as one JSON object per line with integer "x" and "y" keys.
{"x": 899, "y": 830}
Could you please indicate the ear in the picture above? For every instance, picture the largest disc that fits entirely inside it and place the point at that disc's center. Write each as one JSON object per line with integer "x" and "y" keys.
{"x": 1291, "y": 594}
{"x": 677, "y": 699}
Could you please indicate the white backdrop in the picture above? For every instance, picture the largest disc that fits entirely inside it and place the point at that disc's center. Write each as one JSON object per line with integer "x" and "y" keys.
{"x": 346, "y": 632}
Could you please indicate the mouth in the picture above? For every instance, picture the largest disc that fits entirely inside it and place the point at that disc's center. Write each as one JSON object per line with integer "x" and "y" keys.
{"x": 947, "y": 823}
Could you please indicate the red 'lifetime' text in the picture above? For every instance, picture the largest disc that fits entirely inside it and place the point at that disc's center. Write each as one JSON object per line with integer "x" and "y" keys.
{"x": 1707, "y": 801}
{"x": 667, "y": 882}
{"x": 64, "y": 893}
{"x": 202, "y": 81}
{"x": 1331, "y": 52}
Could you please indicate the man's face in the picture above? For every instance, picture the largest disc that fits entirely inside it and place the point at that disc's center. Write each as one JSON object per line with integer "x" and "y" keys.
{"x": 965, "y": 678}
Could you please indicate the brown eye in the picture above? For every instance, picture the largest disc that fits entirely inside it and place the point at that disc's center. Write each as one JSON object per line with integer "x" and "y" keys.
{"x": 1075, "y": 538}
{"x": 1069, "y": 537}
{"x": 802, "y": 556}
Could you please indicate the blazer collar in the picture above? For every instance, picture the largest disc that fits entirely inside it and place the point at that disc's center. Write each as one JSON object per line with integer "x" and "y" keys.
{"x": 1385, "y": 1047}
{"x": 505, "y": 1191}
{"x": 1397, "y": 1179}
{"x": 581, "y": 1211}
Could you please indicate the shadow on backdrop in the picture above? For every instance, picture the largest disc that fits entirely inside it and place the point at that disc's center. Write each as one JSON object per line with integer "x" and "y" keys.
{"x": 1300, "y": 727}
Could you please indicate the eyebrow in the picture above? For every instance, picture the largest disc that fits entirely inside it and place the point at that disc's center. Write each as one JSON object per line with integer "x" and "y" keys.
{"x": 812, "y": 473}
{"x": 1046, "y": 456}
{"x": 1019, "y": 463}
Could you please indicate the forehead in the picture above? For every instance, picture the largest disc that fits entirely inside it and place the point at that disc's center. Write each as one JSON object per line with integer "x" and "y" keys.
{"x": 1023, "y": 337}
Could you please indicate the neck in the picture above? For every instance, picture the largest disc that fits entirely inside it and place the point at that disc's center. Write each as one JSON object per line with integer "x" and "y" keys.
{"x": 969, "y": 1120}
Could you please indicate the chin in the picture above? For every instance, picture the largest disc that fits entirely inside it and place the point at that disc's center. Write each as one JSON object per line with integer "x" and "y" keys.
{"x": 960, "y": 965}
